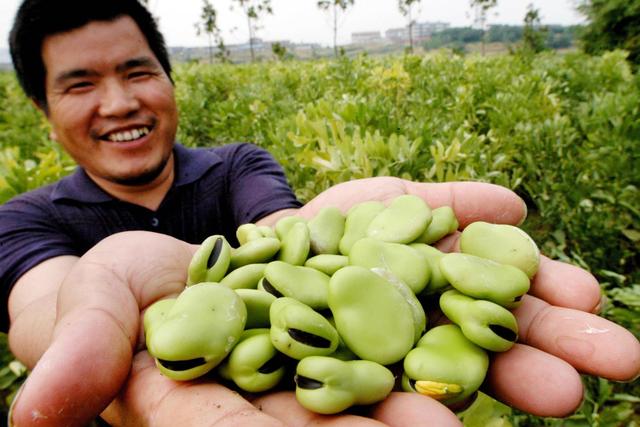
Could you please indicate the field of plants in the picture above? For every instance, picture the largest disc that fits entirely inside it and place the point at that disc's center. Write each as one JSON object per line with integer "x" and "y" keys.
{"x": 563, "y": 131}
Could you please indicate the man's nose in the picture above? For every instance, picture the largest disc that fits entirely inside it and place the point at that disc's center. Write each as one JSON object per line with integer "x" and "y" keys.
{"x": 117, "y": 100}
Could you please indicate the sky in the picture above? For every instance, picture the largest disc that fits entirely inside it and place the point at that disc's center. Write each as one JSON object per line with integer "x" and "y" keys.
{"x": 301, "y": 21}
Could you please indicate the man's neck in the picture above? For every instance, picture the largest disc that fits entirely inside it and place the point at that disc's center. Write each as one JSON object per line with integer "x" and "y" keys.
{"x": 148, "y": 195}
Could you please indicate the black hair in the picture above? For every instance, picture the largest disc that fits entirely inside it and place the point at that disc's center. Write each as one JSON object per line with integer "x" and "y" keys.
{"x": 37, "y": 19}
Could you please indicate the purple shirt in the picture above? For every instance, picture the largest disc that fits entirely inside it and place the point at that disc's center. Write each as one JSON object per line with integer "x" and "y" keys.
{"x": 214, "y": 191}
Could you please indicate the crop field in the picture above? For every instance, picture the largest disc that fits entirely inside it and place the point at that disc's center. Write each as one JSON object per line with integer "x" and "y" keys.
{"x": 563, "y": 131}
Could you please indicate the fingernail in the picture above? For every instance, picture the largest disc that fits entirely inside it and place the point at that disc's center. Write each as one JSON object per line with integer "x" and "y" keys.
{"x": 526, "y": 211}
{"x": 598, "y": 306}
{"x": 13, "y": 403}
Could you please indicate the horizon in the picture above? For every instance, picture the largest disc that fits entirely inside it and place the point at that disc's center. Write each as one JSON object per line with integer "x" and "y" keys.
{"x": 303, "y": 22}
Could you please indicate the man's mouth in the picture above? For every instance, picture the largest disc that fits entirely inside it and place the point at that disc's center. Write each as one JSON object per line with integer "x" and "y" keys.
{"x": 127, "y": 135}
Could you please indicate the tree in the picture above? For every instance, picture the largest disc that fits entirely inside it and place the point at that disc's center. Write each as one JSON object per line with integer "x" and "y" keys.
{"x": 336, "y": 6}
{"x": 254, "y": 10}
{"x": 482, "y": 7}
{"x": 533, "y": 35}
{"x": 208, "y": 24}
{"x": 406, "y": 8}
{"x": 613, "y": 24}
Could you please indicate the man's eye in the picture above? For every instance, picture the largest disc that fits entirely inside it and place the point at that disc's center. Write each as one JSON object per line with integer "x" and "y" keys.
{"x": 80, "y": 86}
{"x": 139, "y": 74}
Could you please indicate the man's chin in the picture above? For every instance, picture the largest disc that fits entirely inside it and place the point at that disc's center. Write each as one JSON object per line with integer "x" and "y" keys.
{"x": 141, "y": 179}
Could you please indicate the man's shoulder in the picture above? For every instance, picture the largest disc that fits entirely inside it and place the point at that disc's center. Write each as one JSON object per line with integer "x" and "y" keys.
{"x": 73, "y": 187}
{"x": 39, "y": 197}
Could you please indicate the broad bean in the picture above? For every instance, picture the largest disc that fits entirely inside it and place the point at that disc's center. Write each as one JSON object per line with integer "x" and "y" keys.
{"x": 375, "y": 319}
{"x": 305, "y": 284}
{"x": 327, "y": 386}
{"x": 298, "y": 331}
{"x": 403, "y": 221}
{"x": 484, "y": 323}
{"x": 445, "y": 365}
{"x": 502, "y": 243}
{"x": 210, "y": 262}
{"x": 254, "y": 364}
{"x": 483, "y": 278}
{"x": 192, "y": 334}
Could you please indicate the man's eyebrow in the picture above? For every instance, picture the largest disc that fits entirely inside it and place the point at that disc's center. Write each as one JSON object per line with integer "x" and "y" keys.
{"x": 143, "y": 61}
{"x": 74, "y": 74}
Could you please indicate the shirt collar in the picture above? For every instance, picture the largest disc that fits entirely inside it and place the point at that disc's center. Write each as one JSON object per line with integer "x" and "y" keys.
{"x": 190, "y": 165}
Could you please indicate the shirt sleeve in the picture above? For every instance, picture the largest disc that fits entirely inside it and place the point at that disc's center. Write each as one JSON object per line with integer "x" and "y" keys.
{"x": 29, "y": 235}
{"x": 257, "y": 184}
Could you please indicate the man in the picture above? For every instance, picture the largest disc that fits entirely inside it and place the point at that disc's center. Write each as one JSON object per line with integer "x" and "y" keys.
{"x": 85, "y": 257}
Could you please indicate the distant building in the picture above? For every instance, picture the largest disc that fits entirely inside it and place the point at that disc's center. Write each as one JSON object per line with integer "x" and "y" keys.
{"x": 365, "y": 37}
{"x": 421, "y": 31}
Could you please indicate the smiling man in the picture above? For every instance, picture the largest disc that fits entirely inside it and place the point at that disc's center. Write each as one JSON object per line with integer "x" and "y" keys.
{"x": 113, "y": 108}
{"x": 81, "y": 259}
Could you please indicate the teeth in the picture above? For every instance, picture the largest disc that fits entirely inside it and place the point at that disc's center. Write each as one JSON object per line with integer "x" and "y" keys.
{"x": 128, "y": 135}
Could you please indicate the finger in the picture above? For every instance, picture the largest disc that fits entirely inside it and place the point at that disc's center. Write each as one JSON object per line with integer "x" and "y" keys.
{"x": 535, "y": 382}
{"x": 411, "y": 409}
{"x": 151, "y": 399}
{"x": 285, "y": 407}
{"x": 592, "y": 344}
{"x": 473, "y": 201}
{"x": 97, "y": 327}
{"x": 565, "y": 285}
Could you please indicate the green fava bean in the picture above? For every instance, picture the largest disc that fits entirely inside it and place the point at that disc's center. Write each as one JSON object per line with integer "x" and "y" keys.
{"x": 254, "y": 364}
{"x": 484, "y": 323}
{"x": 502, "y": 243}
{"x": 305, "y": 284}
{"x": 445, "y": 365}
{"x": 223, "y": 367}
{"x": 245, "y": 277}
{"x": 156, "y": 313}
{"x": 197, "y": 332}
{"x": 247, "y": 232}
{"x": 378, "y": 319}
{"x": 296, "y": 244}
{"x": 258, "y": 304}
{"x": 437, "y": 281}
{"x": 327, "y": 386}
{"x": 326, "y": 230}
{"x": 210, "y": 262}
{"x": 356, "y": 223}
{"x": 409, "y": 265}
{"x": 342, "y": 352}
{"x": 403, "y": 221}
{"x": 482, "y": 278}
{"x": 267, "y": 231}
{"x": 443, "y": 222}
{"x": 255, "y": 252}
{"x": 327, "y": 263}
{"x": 284, "y": 224}
{"x": 299, "y": 331}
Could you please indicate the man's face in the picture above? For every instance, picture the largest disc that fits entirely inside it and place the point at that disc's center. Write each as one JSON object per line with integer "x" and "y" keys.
{"x": 110, "y": 103}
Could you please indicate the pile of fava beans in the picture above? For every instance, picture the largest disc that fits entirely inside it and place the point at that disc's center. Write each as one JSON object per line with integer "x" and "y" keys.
{"x": 337, "y": 303}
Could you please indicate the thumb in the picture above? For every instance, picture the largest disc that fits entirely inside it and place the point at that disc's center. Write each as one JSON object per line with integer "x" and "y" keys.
{"x": 97, "y": 326}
